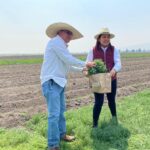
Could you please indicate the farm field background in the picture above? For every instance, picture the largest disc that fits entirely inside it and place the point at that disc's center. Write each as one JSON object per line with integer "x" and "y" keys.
{"x": 132, "y": 132}
{"x": 23, "y": 119}
{"x": 37, "y": 59}
{"x": 20, "y": 90}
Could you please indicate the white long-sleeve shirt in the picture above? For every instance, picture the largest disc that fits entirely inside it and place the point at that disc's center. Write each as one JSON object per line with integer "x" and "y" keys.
{"x": 117, "y": 60}
{"x": 58, "y": 61}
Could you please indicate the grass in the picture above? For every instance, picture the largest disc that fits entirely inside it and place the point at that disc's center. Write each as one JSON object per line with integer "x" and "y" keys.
{"x": 20, "y": 61}
{"x": 132, "y": 133}
{"x": 124, "y": 55}
{"x": 135, "y": 55}
{"x": 81, "y": 57}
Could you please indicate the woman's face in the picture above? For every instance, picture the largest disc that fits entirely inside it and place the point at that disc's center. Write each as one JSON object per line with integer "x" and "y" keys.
{"x": 104, "y": 40}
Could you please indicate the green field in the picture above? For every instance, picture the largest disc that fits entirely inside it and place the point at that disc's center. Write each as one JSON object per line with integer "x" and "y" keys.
{"x": 20, "y": 61}
{"x": 132, "y": 133}
{"x": 9, "y": 61}
{"x": 125, "y": 55}
{"x": 134, "y": 55}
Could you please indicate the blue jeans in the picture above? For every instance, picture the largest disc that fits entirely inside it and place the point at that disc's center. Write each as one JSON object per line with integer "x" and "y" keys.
{"x": 54, "y": 95}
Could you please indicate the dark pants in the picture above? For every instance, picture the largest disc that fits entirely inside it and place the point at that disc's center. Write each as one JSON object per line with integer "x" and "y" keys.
{"x": 99, "y": 99}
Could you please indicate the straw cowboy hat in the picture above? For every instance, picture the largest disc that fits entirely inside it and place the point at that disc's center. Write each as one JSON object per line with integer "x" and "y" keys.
{"x": 104, "y": 31}
{"x": 53, "y": 29}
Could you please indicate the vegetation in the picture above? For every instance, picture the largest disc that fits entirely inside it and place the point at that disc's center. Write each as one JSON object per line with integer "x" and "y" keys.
{"x": 99, "y": 67}
{"x": 134, "y": 55}
{"x": 132, "y": 132}
{"x": 20, "y": 61}
{"x": 11, "y": 61}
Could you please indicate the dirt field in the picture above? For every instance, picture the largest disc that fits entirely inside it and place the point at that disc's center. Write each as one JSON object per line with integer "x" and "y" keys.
{"x": 20, "y": 91}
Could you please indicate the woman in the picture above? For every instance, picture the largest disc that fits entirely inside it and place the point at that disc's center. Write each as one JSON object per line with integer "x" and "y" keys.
{"x": 111, "y": 57}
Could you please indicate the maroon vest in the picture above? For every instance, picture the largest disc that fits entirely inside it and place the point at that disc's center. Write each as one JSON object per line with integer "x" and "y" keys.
{"x": 107, "y": 58}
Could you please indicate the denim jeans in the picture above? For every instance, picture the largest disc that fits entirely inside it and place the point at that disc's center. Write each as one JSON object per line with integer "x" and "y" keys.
{"x": 54, "y": 95}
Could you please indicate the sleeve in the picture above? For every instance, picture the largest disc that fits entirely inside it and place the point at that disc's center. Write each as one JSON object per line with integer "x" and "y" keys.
{"x": 75, "y": 69}
{"x": 117, "y": 60}
{"x": 89, "y": 56}
{"x": 63, "y": 53}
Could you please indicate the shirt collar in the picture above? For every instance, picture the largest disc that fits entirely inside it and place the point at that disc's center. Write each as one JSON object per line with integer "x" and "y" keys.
{"x": 59, "y": 38}
{"x": 104, "y": 48}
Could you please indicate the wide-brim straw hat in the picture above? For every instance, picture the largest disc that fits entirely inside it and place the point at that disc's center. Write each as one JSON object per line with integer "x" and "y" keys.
{"x": 54, "y": 28}
{"x": 104, "y": 31}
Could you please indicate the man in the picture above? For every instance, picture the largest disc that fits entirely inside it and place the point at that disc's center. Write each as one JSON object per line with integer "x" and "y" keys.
{"x": 57, "y": 62}
{"x": 111, "y": 57}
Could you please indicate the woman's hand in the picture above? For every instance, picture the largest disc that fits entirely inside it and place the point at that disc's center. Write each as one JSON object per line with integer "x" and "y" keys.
{"x": 113, "y": 72}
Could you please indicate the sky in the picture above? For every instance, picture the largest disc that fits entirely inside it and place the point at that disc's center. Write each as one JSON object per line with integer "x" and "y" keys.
{"x": 23, "y": 23}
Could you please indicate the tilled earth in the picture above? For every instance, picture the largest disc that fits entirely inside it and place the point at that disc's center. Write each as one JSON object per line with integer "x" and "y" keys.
{"x": 21, "y": 97}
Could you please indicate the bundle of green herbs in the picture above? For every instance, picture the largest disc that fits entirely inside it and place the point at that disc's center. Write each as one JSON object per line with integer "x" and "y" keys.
{"x": 99, "y": 67}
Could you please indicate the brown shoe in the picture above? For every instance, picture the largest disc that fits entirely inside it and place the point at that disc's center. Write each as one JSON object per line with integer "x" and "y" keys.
{"x": 68, "y": 138}
{"x": 54, "y": 148}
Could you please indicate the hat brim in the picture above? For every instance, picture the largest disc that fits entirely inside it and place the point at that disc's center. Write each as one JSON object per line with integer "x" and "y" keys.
{"x": 111, "y": 35}
{"x": 53, "y": 29}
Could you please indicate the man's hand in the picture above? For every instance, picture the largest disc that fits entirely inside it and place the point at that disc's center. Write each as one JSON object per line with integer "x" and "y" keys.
{"x": 85, "y": 71}
{"x": 90, "y": 64}
{"x": 113, "y": 72}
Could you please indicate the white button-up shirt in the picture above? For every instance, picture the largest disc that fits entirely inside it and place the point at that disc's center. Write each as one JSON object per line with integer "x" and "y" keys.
{"x": 58, "y": 61}
{"x": 117, "y": 60}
